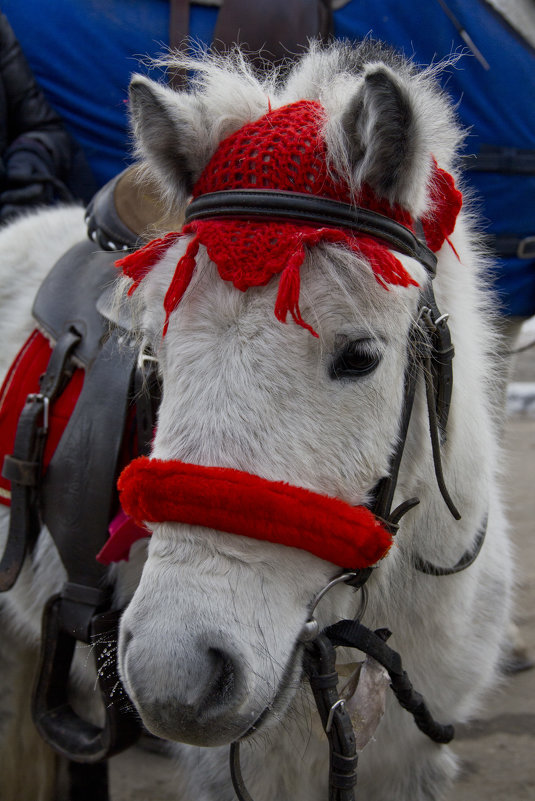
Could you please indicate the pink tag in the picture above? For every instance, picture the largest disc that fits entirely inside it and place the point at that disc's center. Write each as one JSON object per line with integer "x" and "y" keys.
{"x": 123, "y": 533}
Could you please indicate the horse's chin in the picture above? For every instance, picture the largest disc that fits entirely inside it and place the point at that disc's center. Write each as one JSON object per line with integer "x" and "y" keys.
{"x": 193, "y": 730}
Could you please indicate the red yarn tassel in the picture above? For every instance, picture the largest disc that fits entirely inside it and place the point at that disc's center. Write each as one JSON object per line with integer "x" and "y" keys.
{"x": 446, "y": 202}
{"x": 387, "y": 269}
{"x": 289, "y": 288}
{"x": 136, "y": 265}
{"x": 181, "y": 280}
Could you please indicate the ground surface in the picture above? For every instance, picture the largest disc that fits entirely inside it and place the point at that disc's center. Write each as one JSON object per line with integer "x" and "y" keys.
{"x": 498, "y": 749}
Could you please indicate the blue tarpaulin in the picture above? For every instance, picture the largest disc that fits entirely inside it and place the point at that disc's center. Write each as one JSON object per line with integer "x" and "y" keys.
{"x": 84, "y": 52}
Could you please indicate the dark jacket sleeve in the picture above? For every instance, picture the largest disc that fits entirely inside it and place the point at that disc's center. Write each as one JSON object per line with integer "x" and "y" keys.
{"x": 26, "y": 117}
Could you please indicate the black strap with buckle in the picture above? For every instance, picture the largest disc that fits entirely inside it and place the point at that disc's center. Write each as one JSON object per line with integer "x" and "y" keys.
{"x": 23, "y": 467}
{"x": 77, "y": 499}
{"x": 352, "y": 634}
{"x": 320, "y": 668}
{"x": 319, "y": 665}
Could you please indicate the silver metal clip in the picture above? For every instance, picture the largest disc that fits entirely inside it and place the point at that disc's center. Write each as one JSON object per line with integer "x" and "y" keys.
{"x": 311, "y": 627}
{"x": 37, "y": 397}
{"x": 340, "y": 703}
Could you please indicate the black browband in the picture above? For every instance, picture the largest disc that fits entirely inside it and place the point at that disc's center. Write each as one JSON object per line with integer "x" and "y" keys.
{"x": 284, "y": 205}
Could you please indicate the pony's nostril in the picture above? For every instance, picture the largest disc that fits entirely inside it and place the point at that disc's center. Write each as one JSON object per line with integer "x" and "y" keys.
{"x": 126, "y": 638}
{"x": 222, "y": 683}
{"x": 124, "y": 642}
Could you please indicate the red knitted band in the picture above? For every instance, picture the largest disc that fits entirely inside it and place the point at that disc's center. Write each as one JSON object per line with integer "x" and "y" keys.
{"x": 228, "y": 500}
{"x": 285, "y": 150}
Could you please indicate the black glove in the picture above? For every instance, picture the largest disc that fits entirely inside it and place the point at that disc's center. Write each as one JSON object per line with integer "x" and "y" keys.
{"x": 29, "y": 178}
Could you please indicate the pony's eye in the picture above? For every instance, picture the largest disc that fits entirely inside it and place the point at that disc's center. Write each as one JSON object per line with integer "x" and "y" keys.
{"x": 355, "y": 359}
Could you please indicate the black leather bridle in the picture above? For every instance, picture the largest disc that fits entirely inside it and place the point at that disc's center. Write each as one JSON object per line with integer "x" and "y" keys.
{"x": 291, "y": 206}
{"x": 430, "y": 353}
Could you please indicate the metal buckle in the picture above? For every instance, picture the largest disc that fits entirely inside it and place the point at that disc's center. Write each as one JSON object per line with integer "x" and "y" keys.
{"x": 526, "y": 248}
{"x": 38, "y": 397}
{"x": 340, "y": 703}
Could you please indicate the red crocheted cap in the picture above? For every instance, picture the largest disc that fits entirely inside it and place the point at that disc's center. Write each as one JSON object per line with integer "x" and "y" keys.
{"x": 284, "y": 150}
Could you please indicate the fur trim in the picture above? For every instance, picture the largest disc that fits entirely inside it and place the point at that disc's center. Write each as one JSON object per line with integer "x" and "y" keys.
{"x": 153, "y": 490}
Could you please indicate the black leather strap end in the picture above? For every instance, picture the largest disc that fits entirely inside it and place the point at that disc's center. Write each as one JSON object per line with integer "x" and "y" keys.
{"x": 20, "y": 471}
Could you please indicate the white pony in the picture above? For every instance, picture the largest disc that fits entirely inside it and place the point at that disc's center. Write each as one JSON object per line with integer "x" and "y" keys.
{"x": 210, "y": 639}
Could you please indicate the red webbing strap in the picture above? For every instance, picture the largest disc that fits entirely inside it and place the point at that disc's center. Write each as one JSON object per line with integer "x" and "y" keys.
{"x": 21, "y": 380}
{"x": 229, "y": 500}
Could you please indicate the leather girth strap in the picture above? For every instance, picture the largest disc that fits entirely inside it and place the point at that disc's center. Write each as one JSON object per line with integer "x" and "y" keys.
{"x": 78, "y": 488}
{"x": 75, "y": 499}
{"x": 23, "y": 467}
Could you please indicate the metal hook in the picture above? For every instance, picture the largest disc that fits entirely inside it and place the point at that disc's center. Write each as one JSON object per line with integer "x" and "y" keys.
{"x": 144, "y": 357}
{"x": 340, "y": 703}
{"x": 311, "y": 627}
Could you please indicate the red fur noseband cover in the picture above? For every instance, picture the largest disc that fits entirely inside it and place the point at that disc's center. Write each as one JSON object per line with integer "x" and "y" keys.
{"x": 152, "y": 490}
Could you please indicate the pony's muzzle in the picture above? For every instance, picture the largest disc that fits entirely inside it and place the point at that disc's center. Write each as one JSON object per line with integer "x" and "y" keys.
{"x": 199, "y": 696}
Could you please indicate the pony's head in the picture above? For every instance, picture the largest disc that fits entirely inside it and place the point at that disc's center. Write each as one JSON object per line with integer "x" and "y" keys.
{"x": 283, "y": 347}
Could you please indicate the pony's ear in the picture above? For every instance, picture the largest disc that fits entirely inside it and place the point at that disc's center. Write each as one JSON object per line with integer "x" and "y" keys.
{"x": 385, "y": 144}
{"x": 169, "y": 135}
